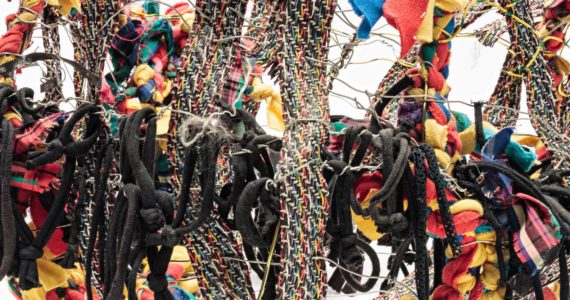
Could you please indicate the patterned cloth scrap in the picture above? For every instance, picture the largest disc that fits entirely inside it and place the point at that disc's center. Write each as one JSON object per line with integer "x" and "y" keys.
{"x": 536, "y": 232}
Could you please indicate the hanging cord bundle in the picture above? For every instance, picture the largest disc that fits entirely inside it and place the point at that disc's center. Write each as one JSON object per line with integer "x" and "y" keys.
{"x": 346, "y": 247}
{"x": 92, "y": 24}
{"x": 136, "y": 176}
{"x": 261, "y": 234}
{"x": 158, "y": 226}
{"x": 416, "y": 189}
{"x": 31, "y": 255}
{"x": 34, "y": 178}
{"x": 217, "y": 37}
{"x": 208, "y": 55}
{"x": 173, "y": 230}
{"x": 480, "y": 201}
{"x": 144, "y": 51}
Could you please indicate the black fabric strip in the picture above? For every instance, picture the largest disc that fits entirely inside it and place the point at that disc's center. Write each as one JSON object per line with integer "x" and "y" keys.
{"x": 132, "y": 193}
{"x": 395, "y": 90}
{"x": 243, "y": 220}
{"x": 9, "y": 236}
{"x": 208, "y": 153}
{"x": 564, "y": 281}
{"x": 438, "y": 262}
{"x": 448, "y": 224}
{"x": 479, "y": 136}
{"x": 187, "y": 173}
{"x": 417, "y": 200}
{"x": 112, "y": 239}
{"x": 97, "y": 222}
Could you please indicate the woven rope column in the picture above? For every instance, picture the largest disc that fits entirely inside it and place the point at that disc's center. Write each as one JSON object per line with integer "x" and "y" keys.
{"x": 301, "y": 71}
{"x": 541, "y": 99}
{"x": 207, "y": 61}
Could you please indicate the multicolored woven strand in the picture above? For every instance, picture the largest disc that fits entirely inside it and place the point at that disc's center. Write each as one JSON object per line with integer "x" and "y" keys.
{"x": 300, "y": 70}
{"x": 541, "y": 99}
{"x": 206, "y": 64}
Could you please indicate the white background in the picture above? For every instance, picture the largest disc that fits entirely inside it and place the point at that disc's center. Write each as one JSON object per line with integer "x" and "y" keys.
{"x": 474, "y": 70}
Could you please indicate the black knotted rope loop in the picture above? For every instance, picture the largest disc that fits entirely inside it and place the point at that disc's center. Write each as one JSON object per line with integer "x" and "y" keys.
{"x": 31, "y": 248}
{"x": 345, "y": 247}
{"x": 64, "y": 144}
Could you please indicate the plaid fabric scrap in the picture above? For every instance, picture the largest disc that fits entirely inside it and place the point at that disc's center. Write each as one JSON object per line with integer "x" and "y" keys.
{"x": 39, "y": 180}
{"x": 35, "y": 134}
{"x": 235, "y": 83}
{"x": 538, "y": 237}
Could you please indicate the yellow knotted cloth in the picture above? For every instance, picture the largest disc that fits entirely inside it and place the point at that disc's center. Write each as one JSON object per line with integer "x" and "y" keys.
{"x": 262, "y": 91}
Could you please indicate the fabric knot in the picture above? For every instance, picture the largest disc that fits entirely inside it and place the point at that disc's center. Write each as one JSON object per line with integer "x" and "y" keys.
{"x": 55, "y": 150}
{"x": 350, "y": 253}
{"x": 30, "y": 253}
{"x": 56, "y": 145}
{"x": 382, "y": 222}
{"x": 28, "y": 273}
{"x": 151, "y": 218}
{"x": 398, "y": 222}
{"x": 157, "y": 282}
{"x": 348, "y": 241}
{"x": 169, "y": 236}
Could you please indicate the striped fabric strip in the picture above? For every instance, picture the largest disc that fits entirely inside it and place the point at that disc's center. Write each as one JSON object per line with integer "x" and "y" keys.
{"x": 536, "y": 242}
{"x": 38, "y": 180}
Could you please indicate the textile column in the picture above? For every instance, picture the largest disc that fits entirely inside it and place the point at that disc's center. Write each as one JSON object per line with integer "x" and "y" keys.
{"x": 207, "y": 61}
{"x": 300, "y": 69}
{"x": 541, "y": 99}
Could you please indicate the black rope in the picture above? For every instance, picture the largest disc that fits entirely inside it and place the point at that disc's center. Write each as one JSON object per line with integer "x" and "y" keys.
{"x": 345, "y": 247}
{"x": 127, "y": 234}
{"x": 97, "y": 222}
{"x": 395, "y": 90}
{"x": 32, "y": 248}
{"x": 420, "y": 211}
{"x": 259, "y": 234}
{"x": 9, "y": 236}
